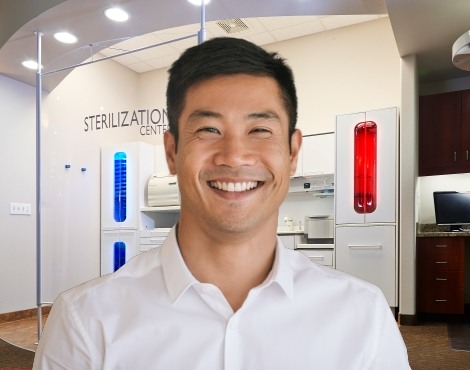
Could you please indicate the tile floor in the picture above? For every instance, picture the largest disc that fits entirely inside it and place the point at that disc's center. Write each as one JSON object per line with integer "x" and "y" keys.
{"x": 22, "y": 333}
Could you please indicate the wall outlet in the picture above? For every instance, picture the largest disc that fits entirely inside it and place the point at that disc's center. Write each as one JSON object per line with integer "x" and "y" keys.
{"x": 20, "y": 209}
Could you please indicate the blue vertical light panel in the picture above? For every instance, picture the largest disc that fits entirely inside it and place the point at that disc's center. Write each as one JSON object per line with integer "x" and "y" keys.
{"x": 119, "y": 254}
{"x": 120, "y": 204}
{"x": 120, "y": 186}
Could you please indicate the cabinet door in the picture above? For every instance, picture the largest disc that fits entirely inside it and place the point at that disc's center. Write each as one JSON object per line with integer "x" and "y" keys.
{"x": 344, "y": 174}
{"x": 369, "y": 252}
{"x": 321, "y": 256}
{"x": 318, "y": 154}
{"x": 386, "y": 120}
{"x": 108, "y": 240}
{"x": 439, "y": 133}
{"x": 138, "y": 169}
{"x": 465, "y": 158}
{"x": 299, "y": 170}
{"x": 440, "y": 275}
{"x": 288, "y": 241}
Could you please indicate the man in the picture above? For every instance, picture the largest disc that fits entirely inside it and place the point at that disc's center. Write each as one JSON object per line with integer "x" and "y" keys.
{"x": 222, "y": 292}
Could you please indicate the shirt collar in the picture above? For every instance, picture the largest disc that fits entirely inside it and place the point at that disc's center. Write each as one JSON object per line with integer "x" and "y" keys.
{"x": 178, "y": 278}
{"x": 282, "y": 272}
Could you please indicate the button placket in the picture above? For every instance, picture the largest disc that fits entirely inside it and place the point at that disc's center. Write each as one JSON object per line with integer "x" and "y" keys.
{"x": 233, "y": 355}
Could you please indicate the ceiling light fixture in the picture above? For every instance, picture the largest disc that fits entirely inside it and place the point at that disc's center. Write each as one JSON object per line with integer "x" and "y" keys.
{"x": 30, "y": 64}
{"x": 199, "y": 2}
{"x": 65, "y": 37}
{"x": 461, "y": 52}
{"x": 116, "y": 14}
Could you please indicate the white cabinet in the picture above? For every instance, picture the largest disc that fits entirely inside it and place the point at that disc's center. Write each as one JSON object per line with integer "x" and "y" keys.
{"x": 150, "y": 239}
{"x": 318, "y": 154}
{"x": 125, "y": 170}
{"x": 386, "y": 120}
{"x": 320, "y": 256}
{"x": 369, "y": 253}
{"x": 366, "y": 243}
{"x": 116, "y": 243}
{"x": 139, "y": 166}
{"x": 299, "y": 169}
{"x": 291, "y": 240}
{"x": 161, "y": 166}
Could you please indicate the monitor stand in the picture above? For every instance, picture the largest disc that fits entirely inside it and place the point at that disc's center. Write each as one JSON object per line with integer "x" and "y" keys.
{"x": 455, "y": 228}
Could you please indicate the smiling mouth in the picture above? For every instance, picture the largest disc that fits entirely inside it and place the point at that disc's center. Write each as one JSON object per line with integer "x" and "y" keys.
{"x": 234, "y": 186}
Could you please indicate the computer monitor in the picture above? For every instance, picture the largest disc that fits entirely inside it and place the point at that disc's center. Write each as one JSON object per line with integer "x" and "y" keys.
{"x": 452, "y": 208}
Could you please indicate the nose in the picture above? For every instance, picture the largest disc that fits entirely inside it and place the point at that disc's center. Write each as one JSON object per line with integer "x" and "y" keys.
{"x": 234, "y": 151}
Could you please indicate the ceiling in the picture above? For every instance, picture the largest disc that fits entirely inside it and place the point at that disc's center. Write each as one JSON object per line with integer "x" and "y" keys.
{"x": 262, "y": 31}
{"x": 426, "y": 28}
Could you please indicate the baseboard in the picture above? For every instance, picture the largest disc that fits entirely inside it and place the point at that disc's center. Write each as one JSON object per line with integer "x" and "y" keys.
{"x": 24, "y": 314}
{"x": 407, "y": 320}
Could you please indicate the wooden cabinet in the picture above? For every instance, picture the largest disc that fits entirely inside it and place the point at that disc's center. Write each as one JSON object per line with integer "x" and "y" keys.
{"x": 440, "y": 275}
{"x": 465, "y": 138}
{"x": 444, "y": 133}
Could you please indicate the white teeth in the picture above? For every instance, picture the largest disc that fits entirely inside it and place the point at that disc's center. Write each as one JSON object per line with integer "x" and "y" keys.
{"x": 234, "y": 186}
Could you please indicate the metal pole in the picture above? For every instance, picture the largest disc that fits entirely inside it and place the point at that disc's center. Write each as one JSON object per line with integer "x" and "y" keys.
{"x": 201, "y": 39}
{"x": 118, "y": 55}
{"x": 38, "y": 186}
{"x": 202, "y": 32}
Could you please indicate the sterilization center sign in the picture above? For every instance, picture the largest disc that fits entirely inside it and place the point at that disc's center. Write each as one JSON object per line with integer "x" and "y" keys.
{"x": 147, "y": 121}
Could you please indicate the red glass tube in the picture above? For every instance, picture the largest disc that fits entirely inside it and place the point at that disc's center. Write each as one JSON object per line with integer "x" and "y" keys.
{"x": 365, "y": 167}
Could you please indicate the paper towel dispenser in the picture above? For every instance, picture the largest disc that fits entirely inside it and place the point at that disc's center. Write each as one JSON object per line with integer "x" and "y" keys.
{"x": 162, "y": 191}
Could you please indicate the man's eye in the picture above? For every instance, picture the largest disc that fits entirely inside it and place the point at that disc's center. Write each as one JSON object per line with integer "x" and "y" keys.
{"x": 206, "y": 132}
{"x": 261, "y": 131}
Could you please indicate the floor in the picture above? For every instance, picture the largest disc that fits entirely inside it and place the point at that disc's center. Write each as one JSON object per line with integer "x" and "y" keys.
{"x": 428, "y": 343}
{"x": 22, "y": 333}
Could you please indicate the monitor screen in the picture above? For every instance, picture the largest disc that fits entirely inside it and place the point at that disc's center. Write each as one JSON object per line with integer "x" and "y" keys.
{"x": 452, "y": 208}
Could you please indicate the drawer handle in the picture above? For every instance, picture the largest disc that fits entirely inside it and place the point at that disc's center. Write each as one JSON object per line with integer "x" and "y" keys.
{"x": 441, "y": 245}
{"x": 365, "y": 247}
{"x": 441, "y": 262}
{"x": 320, "y": 258}
{"x": 441, "y": 300}
{"x": 441, "y": 279}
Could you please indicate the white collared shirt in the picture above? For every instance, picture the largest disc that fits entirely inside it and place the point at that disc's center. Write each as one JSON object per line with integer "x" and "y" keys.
{"x": 153, "y": 314}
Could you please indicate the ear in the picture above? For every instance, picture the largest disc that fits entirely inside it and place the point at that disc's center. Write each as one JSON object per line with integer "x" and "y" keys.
{"x": 295, "y": 145}
{"x": 170, "y": 151}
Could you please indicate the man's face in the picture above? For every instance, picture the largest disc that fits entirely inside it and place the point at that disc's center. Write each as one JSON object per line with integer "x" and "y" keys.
{"x": 233, "y": 160}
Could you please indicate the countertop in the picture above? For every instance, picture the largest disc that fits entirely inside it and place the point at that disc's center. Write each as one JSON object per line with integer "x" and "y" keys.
{"x": 285, "y": 231}
{"x": 433, "y": 230}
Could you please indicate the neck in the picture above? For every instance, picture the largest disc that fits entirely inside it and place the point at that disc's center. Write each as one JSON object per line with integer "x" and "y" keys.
{"x": 234, "y": 263}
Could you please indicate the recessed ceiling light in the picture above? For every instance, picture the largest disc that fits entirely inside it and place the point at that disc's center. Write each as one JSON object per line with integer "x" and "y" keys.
{"x": 199, "y": 2}
{"x": 116, "y": 14}
{"x": 31, "y": 64}
{"x": 65, "y": 37}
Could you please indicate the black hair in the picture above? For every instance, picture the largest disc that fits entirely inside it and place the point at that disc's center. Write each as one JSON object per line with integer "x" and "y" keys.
{"x": 227, "y": 56}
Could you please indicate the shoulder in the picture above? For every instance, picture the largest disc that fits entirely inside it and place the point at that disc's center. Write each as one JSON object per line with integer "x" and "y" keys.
{"x": 129, "y": 274}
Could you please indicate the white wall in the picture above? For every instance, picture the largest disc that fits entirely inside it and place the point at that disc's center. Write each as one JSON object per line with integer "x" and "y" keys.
{"x": 71, "y": 201}
{"x": 341, "y": 71}
{"x": 18, "y": 180}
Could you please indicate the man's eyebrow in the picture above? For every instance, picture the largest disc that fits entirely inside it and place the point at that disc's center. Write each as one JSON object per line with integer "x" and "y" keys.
{"x": 264, "y": 115}
{"x": 194, "y": 116}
